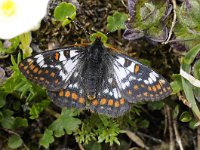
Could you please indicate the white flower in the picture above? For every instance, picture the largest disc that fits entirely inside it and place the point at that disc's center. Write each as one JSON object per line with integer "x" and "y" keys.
{"x": 20, "y": 16}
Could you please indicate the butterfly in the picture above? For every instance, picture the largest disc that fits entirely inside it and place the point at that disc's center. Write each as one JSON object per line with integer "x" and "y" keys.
{"x": 94, "y": 77}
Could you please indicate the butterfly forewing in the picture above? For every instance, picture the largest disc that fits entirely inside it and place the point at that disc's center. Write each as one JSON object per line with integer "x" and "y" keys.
{"x": 137, "y": 81}
{"x": 52, "y": 69}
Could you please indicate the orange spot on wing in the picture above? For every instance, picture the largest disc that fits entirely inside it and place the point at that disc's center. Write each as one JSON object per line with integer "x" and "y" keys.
{"x": 27, "y": 72}
{"x": 142, "y": 85}
{"x": 41, "y": 78}
{"x": 81, "y": 100}
{"x": 149, "y": 88}
{"x": 161, "y": 81}
{"x": 57, "y": 55}
{"x": 122, "y": 101}
{"x": 103, "y": 101}
{"x": 136, "y": 69}
{"x": 30, "y": 61}
{"x": 52, "y": 74}
{"x": 47, "y": 82}
{"x": 40, "y": 71}
{"x": 110, "y": 102}
{"x": 56, "y": 81}
{"x": 116, "y": 104}
{"x": 145, "y": 94}
{"x": 21, "y": 65}
{"x": 169, "y": 88}
{"x": 151, "y": 95}
{"x": 74, "y": 96}
{"x": 129, "y": 92}
{"x": 135, "y": 87}
{"x": 61, "y": 93}
{"x": 25, "y": 67}
{"x": 158, "y": 86}
{"x": 32, "y": 66}
{"x": 46, "y": 71}
{"x": 67, "y": 93}
{"x": 154, "y": 88}
{"x": 35, "y": 70}
{"x": 95, "y": 102}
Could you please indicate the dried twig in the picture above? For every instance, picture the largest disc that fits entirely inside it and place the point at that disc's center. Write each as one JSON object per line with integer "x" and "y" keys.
{"x": 171, "y": 135}
{"x": 173, "y": 22}
{"x": 178, "y": 139}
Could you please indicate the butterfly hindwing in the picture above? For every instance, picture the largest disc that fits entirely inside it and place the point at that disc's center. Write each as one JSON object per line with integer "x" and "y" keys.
{"x": 137, "y": 81}
{"x": 72, "y": 95}
{"x": 53, "y": 68}
{"x": 110, "y": 100}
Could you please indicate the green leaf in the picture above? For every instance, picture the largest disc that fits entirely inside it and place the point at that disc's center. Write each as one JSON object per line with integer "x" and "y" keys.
{"x": 14, "y": 141}
{"x": 96, "y": 35}
{"x": 187, "y": 87}
{"x": 116, "y": 21}
{"x": 47, "y": 138}
{"x": 185, "y": 116}
{"x": 26, "y": 39}
{"x": 175, "y": 112}
{"x": 38, "y": 108}
{"x": 65, "y": 123}
{"x": 191, "y": 54}
{"x": 177, "y": 83}
{"x": 7, "y": 120}
{"x": 65, "y": 12}
{"x": 20, "y": 122}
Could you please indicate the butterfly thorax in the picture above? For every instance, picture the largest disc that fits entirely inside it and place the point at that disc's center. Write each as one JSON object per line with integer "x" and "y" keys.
{"x": 94, "y": 68}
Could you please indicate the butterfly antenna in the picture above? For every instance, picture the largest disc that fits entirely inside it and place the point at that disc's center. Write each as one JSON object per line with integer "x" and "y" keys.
{"x": 78, "y": 24}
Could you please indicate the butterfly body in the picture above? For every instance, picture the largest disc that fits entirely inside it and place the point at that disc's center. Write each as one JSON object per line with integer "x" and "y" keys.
{"x": 94, "y": 77}
{"x": 94, "y": 69}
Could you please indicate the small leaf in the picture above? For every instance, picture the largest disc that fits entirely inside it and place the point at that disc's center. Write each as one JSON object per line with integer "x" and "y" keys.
{"x": 116, "y": 21}
{"x": 47, "y": 138}
{"x": 177, "y": 83}
{"x": 65, "y": 123}
{"x": 65, "y": 12}
{"x": 14, "y": 141}
{"x": 38, "y": 108}
{"x": 176, "y": 112}
{"x": 8, "y": 120}
{"x": 185, "y": 116}
{"x": 98, "y": 35}
{"x": 20, "y": 122}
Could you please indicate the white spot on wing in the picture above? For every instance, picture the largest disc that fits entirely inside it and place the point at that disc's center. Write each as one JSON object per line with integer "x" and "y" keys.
{"x": 62, "y": 56}
{"x": 152, "y": 76}
{"x": 150, "y": 80}
{"x": 146, "y": 81}
{"x": 110, "y": 80}
{"x": 64, "y": 76}
{"x": 40, "y": 60}
{"x": 155, "y": 74}
{"x": 73, "y": 53}
{"x": 131, "y": 67}
{"x": 121, "y": 60}
{"x": 115, "y": 93}
{"x": 106, "y": 91}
